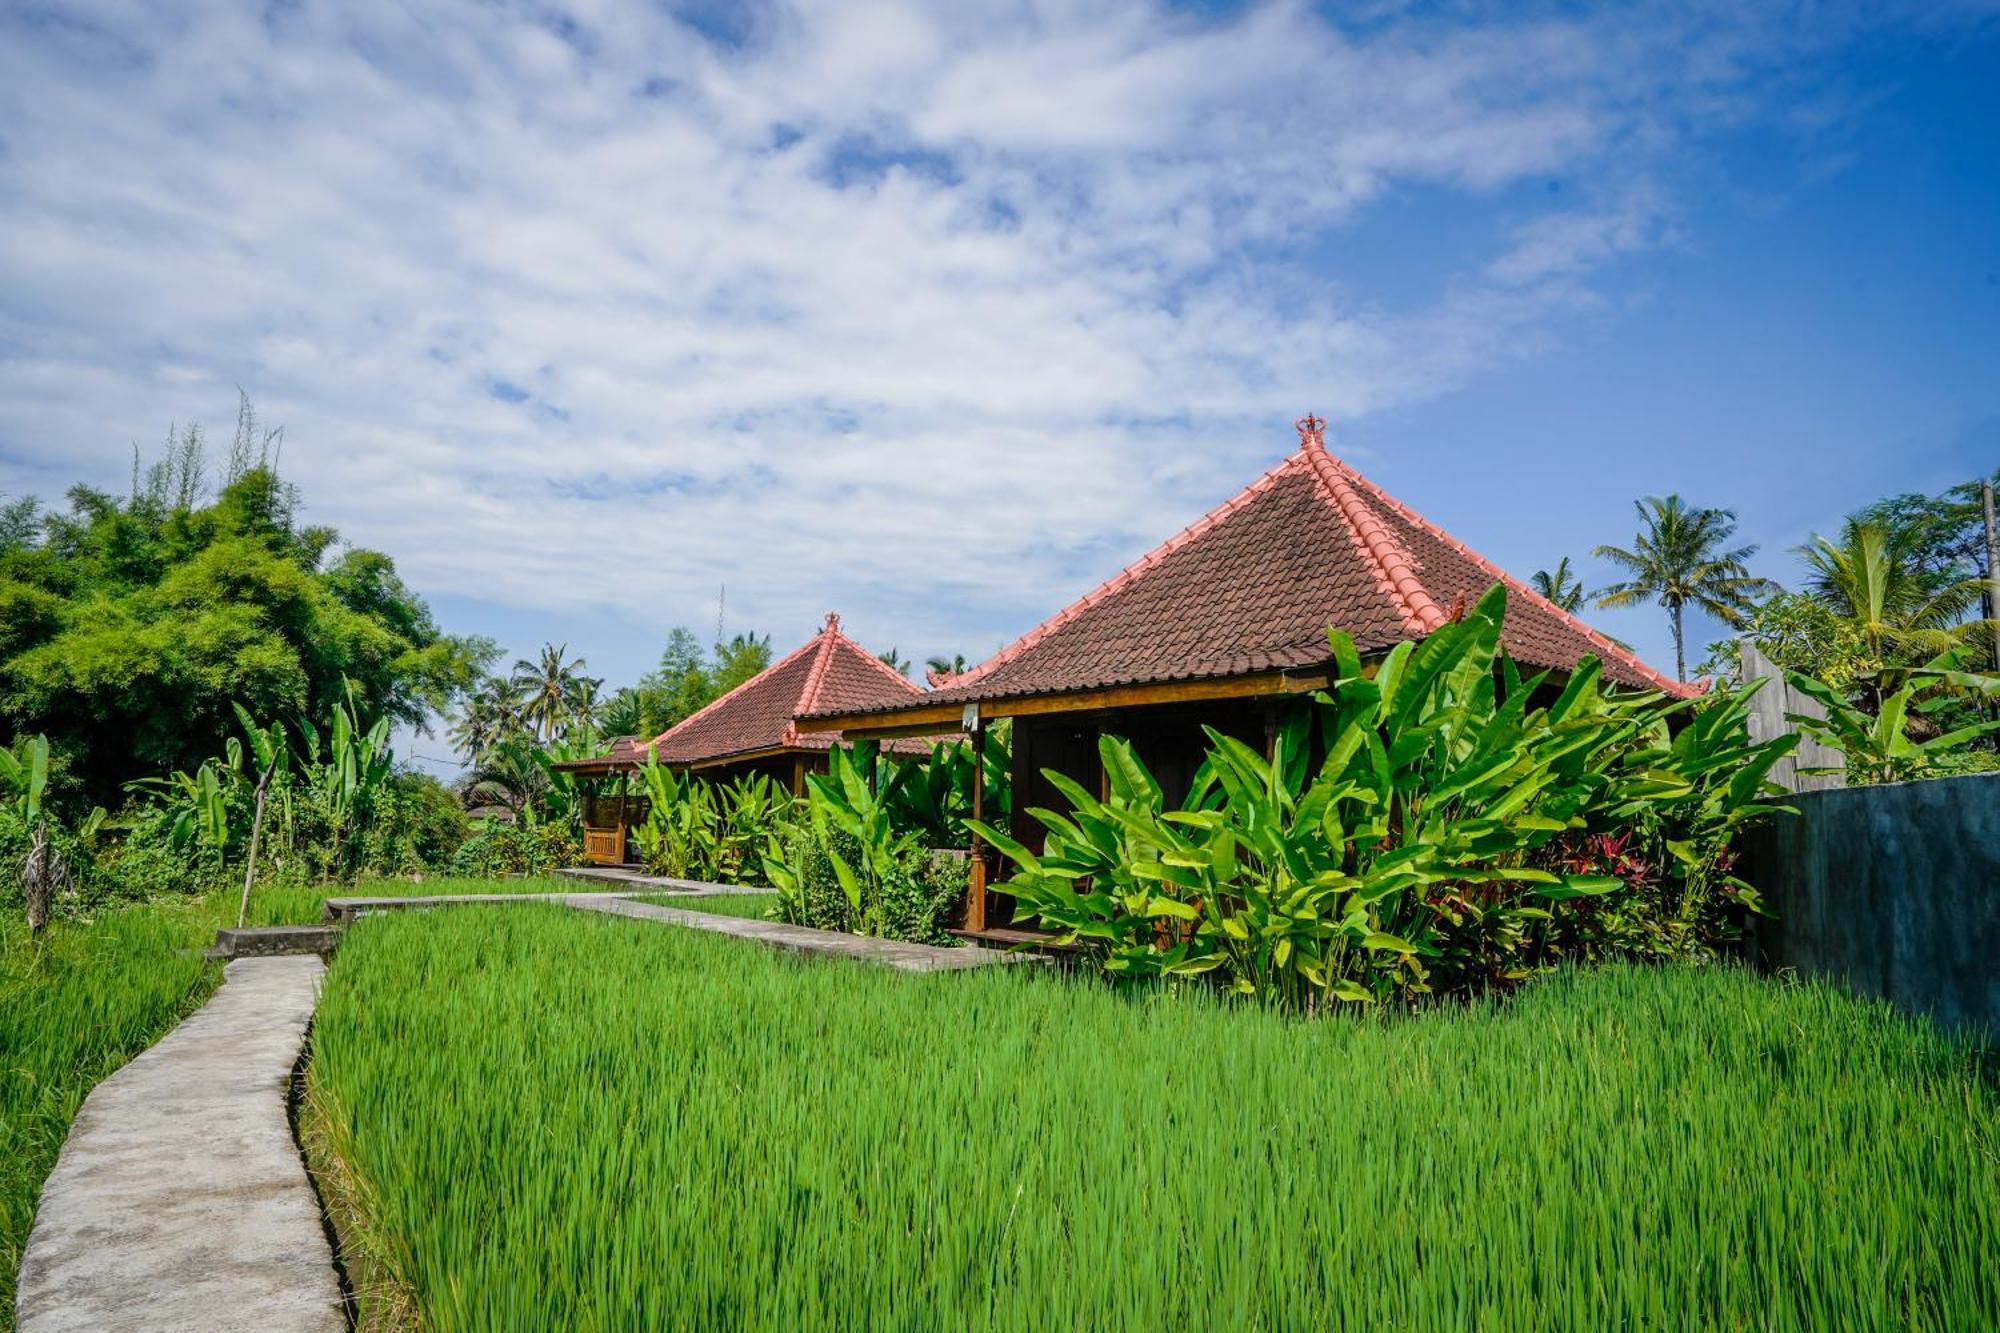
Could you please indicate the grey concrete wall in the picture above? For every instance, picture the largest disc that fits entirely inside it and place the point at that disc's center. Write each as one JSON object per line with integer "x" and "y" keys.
{"x": 1895, "y": 889}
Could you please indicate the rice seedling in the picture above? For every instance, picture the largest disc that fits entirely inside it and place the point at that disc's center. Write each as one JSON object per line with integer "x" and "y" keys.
{"x": 557, "y": 1121}
{"x": 97, "y": 990}
{"x": 74, "y": 1006}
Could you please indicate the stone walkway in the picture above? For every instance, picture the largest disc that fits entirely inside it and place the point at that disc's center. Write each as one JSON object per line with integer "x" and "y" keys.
{"x": 902, "y": 956}
{"x": 179, "y": 1201}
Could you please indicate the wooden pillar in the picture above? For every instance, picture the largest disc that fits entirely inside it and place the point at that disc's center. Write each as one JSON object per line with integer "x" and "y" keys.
{"x": 975, "y": 892}
{"x": 624, "y": 825}
{"x": 798, "y": 775}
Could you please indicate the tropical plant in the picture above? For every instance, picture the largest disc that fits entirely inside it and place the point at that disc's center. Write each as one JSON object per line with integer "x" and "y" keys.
{"x": 1880, "y": 746}
{"x": 128, "y": 624}
{"x": 487, "y": 715}
{"x": 681, "y": 835}
{"x": 344, "y": 771}
{"x": 551, "y": 692}
{"x": 941, "y": 666}
{"x": 1559, "y": 585}
{"x": 1680, "y": 558}
{"x": 273, "y": 757}
{"x": 1875, "y": 577}
{"x": 45, "y": 870}
{"x": 895, "y": 661}
{"x": 850, "y": 865}
{"x": 1423, "y": 852}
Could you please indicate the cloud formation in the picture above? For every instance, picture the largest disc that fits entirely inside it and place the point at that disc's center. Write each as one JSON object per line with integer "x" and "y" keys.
{"x": 933, "y": 313}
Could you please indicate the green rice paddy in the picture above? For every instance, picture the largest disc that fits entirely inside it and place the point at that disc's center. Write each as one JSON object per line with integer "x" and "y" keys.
{"x": 91, "y": 993}
{"x": 552, "y": 1120}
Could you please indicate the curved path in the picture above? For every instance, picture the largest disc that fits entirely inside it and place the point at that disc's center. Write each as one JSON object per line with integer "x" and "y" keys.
{"x": 179, "y": 1201}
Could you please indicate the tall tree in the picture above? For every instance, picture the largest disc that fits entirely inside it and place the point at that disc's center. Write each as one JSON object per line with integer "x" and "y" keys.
{"x": 895, "y": 661}
{"x": 1881, "y": 578}
{"x": 1559, "y": 585}
{"x": 486, "y": 716}
{"x": 130, "y": 627}
{"x": 738, "y": 660}
{"x": 1681, "y": 557}
{"x": 550, "y": 690}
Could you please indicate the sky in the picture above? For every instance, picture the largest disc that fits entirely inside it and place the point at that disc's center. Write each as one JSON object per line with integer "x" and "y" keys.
{"x": 595, "y": 315}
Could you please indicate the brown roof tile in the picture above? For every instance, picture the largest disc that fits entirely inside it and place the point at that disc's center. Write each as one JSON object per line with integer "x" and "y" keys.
{"x": 1254, "y": 585}
{"x": 829, "y": 670}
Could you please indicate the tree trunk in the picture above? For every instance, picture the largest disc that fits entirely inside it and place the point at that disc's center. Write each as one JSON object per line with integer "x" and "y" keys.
{"x": 1680, "y": 656}
{"x": 250, "y": 869}
{"x": 35, "y": 878}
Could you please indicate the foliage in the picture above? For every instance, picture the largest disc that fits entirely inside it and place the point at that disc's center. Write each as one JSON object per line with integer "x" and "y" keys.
{"x": 1016, "y": 1151}
{"x": 696, "y": 830}
{"x": 1880, "y": 746}
{"x": 1682, "y": 558}
{"x": 852, "y": 865}
{"x": 1559, "y": 585}
{"x": 128, "y": 627}
{"x": 500, "y": 850}
{"x": 1797, "y": 632}
{"x": 1875, "y": 578}
{"x": 1425, "y": 852}
{"x": 551, "y": 693}
{"x": 931, "y": 797}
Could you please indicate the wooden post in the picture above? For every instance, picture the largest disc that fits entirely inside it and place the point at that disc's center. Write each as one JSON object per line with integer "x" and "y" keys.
{"x": 975, "y": 891}
{"x": 1992, "y": 567}
{"x": 798, "y": 775}
{"x": 624, "y": 826}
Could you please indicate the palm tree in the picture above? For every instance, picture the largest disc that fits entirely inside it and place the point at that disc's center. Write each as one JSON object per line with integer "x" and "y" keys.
{"x": 1875, "y": 576}
{"x": 549, "y": 691}
{"x": 895, "y": 661}
{"x": 486, "y": 718}
{"x": 955, "y": 665}
{"x": 1682, "y": 557}
{"x": 1559, "y": 586}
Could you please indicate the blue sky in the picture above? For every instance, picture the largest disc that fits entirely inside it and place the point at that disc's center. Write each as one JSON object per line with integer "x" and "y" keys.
{"x": 936, "y": 315}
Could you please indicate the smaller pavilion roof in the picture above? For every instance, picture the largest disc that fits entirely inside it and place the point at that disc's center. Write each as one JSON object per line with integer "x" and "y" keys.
{"x": 828, "y": 671}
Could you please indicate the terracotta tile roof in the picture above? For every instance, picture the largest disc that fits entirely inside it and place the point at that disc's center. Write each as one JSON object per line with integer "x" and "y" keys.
{"x": 1253, "y": 585}
{"x": 829, "y": 670}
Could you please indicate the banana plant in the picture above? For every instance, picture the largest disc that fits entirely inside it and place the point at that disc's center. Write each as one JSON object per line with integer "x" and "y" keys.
{"x": 347, "y": 768}
{"x": 679, "y": 836}
{"x": 272, "y": 754}
{"x": 1417, "y": 853}
{"x": 845, "y": 801}
{"x": 1878, "y": 747}
{"x": 44, "y": 872}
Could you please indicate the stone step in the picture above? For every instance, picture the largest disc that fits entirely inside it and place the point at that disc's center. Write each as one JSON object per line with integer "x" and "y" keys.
{"x": 274, "y": 941}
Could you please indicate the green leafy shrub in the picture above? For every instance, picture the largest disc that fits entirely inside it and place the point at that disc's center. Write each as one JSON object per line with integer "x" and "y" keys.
{"x": 507, "y": 849}
{"x": 848, "y": 866}
{"x": 1434, "y": 847}
{"x": 1888, "y": 745}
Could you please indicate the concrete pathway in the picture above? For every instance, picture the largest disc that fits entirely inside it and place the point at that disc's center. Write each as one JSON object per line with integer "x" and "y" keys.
{"x": 629, "y": 878}
{"x": 179, "y": 1201}
{"x": 902, "y": 956}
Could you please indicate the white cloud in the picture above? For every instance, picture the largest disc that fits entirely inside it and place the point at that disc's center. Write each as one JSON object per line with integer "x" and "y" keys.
{"x": 931, "y": 313}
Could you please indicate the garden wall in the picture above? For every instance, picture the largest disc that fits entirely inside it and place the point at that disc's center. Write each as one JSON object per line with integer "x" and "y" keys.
{"x": 1895, "y": 889}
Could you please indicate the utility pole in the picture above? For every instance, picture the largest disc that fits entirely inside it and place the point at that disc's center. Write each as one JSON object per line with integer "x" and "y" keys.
{"x": 1992, "y": 567}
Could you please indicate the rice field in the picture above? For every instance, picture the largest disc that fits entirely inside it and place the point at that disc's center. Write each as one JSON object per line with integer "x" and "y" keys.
{"x": 94, "y": 992}
{"x": 74, "y": 1006}
{"x": 549, "y": 1120}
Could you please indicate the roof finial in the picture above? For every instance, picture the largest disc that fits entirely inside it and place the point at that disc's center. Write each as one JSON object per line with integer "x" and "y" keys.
{"x": 1312, "y": 431}
{"x": 832, "y": 622}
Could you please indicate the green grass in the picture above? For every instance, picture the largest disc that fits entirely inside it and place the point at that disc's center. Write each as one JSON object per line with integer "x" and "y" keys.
{"x": 563, "y": 1121}
{"x": 720, "y": 904}
{"x": 95, "y": 991}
